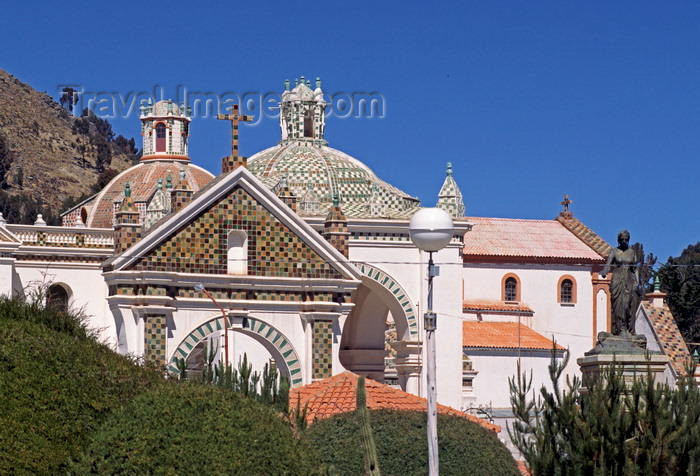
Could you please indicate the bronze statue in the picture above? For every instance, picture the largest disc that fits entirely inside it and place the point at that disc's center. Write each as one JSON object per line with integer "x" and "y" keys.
{"x": 624, "y": 287}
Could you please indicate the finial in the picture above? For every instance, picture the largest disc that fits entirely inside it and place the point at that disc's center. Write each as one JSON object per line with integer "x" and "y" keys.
{"x": 657, "y": 284}
{"x": 303, "y": 80}
{"x": 127, "y": 190}
{"x": 160, "y": 184}
{"x": 286, "y": 85}
{"x": 40, "y": 220}
{"x": 296, "y": 82}
{"x": 449, "y": 169}
{"x": 566, "y": 203}
{"x": 283, "y": 182}
{"x": 182, "y": 175}
{"x": 336, "y": 200}
{"x": 318, "y": 82}
{"x": 169, "y": 182}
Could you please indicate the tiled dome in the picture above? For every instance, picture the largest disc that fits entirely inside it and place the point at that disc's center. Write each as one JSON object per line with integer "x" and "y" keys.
{"x": 304, "y": 164}
{"x": 326, "y": 171}
{"x": 143, "y": 181}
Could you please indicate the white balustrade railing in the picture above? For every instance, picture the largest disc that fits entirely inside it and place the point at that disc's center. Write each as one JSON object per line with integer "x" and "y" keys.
{"x": 63, "y": 236}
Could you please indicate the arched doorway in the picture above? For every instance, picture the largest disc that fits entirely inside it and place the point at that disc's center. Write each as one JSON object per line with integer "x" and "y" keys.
{"x": 277, "y": 345}
{"x": 382, "y": 313}
{"x": 57, "y": 296}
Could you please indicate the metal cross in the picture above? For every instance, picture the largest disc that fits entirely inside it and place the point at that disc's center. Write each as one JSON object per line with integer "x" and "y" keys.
{"x": 234, "y": 117}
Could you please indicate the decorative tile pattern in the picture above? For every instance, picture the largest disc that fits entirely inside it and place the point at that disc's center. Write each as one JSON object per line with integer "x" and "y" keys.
{"x": 202, "y": 245}
{"x": 258, "y": 328}
{"x": 155, "y": 338}
{"x": 670, "y": 338}
{"x": 325, "y": 171}
{"x": 322, "y": 365}
{"x": 394, "y": 288}
{"x": 450, "y": 197}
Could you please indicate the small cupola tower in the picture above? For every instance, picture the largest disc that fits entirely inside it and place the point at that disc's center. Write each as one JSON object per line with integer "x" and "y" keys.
{"x": 165, "y": 128}
{"x": 302, "y": 113}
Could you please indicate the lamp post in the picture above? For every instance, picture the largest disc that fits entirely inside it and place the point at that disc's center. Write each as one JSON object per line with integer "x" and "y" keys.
{"x": 431, "y": 229}
{"x": 201, "y": 289}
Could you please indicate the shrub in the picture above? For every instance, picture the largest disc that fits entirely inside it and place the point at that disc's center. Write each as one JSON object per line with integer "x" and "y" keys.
{"x": 195, "y": 429}
{"x": 56, "y": 385}
{"x": 464, "y": 446}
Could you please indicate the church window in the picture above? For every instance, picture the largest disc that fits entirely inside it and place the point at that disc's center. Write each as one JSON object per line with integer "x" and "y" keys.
{"x": 468, "y": 374}
{"x": 567, "y": 290}
{"x": 237, "y": 258}
{"x": 160, "y": 137}
{"x": 510, "y": 287}
{"x": 57, "y": 297}
{"x": 309, "y": 123}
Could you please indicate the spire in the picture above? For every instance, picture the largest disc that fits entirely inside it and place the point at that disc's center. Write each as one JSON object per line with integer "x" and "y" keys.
{"x": 335, "y": 227}
{"x": 158, "y": 207}
{"x": 450, "y": 197}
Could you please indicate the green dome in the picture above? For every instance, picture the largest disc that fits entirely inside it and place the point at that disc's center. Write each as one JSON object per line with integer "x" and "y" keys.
{"x": 314, "y": 173}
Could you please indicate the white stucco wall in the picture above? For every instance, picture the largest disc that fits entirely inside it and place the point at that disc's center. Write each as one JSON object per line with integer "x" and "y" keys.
{"x": 571, "y": 325}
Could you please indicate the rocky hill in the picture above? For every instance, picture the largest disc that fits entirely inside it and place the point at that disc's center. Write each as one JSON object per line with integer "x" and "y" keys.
{"x": 49, "y": 156}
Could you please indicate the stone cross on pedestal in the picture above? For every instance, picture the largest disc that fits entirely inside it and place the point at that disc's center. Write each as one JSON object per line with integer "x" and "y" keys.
{"x": 233, "y": 161}
{"x": 566, "y": 213}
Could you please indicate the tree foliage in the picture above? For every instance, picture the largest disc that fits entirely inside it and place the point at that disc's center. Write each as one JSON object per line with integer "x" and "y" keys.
{"x": 57, "y": 384}
{"x": 611, "y": 429}
{"x": 195, "y": 429}
{"x": 6, "y": 159}
{"x": 465, "y": 447}
{"x": 680, "y": 279}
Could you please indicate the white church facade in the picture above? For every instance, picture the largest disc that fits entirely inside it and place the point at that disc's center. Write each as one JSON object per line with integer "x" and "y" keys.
{"x": 304, "y": 257}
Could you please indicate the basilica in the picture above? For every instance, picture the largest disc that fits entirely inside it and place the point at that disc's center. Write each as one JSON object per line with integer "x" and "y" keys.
{"x": 302, "y": 255}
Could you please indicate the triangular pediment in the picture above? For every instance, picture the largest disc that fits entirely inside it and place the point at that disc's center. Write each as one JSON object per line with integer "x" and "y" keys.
{"x": 196, "y": 239}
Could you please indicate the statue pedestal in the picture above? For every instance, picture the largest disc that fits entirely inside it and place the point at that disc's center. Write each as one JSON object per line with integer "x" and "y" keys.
{"x": 634, "y": 366}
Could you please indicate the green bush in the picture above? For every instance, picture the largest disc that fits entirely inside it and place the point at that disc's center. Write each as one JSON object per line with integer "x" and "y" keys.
{"x": 195, "y": 429}
{"x": 57, "y": 384}
{"x": 464, "y": 446}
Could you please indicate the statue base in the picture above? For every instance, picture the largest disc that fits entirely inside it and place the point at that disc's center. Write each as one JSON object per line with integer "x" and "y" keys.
{"x": 627, "y": 351}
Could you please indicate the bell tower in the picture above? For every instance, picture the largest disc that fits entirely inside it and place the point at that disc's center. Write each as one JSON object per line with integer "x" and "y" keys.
{"x": 302, "y": 113}
{"x": 165, "y": 128}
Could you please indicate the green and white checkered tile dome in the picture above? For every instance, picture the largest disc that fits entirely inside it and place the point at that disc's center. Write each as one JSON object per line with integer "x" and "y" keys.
{"x": 308, "y": 166}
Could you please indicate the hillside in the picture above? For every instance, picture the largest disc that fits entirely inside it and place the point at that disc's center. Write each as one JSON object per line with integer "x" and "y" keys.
{"x": 48, "y": 157}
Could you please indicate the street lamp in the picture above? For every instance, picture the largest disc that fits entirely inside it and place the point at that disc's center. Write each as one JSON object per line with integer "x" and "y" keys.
{"x": 201, "y": 289}
{"x": 431, "y": 229}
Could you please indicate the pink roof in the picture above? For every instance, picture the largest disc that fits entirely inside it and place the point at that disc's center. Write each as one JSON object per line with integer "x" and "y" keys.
{"x": 524, "y": 238}
{"x": 503, "y": 335}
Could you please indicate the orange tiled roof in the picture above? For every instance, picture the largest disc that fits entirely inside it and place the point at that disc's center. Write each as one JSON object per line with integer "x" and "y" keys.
{"x": 495, "y": 306}
{"x": 670, "y": 338}
{"x": 503, "y": 335}
{"x": 586, "y": 235}
{"x": 337, "y": 394}
{"x": 505, "y": 237}
{"x": 143, "y": 179}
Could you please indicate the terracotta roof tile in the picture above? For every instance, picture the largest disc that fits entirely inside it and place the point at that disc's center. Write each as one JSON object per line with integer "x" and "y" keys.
{"x": 585, "y": 234}
{"x": 670, "y": 338}
{"x": 525, "y": 238}
{"x": 336, "y": 394}
{"x": 495, "y": 306}
{"x": 503, "y": 335}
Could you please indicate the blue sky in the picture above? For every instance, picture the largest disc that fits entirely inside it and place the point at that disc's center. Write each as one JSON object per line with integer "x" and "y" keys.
{"x": 529, "y": 101}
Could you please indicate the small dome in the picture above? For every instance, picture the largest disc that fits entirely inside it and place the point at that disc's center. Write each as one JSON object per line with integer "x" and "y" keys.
{"x": 143, "y": 181}
{"x": 326, "y": 171}
{"x": 166, "y": 108}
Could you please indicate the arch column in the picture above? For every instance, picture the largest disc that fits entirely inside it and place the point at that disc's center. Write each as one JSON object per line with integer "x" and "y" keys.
{"x": 319, "y": 331}
{"x": 408, "y": 364}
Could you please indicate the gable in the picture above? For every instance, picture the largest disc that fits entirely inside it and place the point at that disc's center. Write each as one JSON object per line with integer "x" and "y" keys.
{"x": 201, "y": 246}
